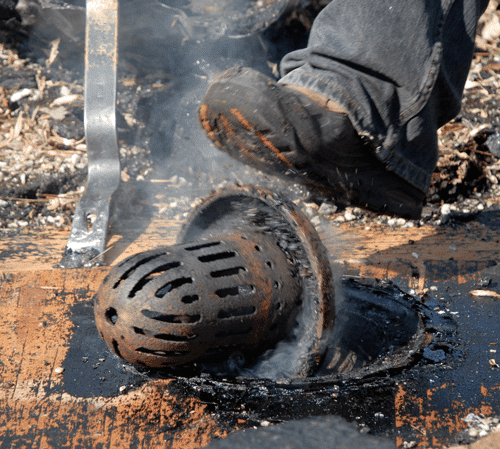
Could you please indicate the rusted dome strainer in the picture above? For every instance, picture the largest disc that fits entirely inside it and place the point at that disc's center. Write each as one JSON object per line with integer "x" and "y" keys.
{"x": 249, "y": 276}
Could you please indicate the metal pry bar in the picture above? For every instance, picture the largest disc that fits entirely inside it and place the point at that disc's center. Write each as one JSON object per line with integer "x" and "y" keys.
{"x": 87, "y": 240}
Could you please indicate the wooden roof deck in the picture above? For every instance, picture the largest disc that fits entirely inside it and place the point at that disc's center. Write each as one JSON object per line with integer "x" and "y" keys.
{"x": 45, "y": 316}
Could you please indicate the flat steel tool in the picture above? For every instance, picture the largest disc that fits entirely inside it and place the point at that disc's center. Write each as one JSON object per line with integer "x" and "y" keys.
{"x": 87, "y": 240}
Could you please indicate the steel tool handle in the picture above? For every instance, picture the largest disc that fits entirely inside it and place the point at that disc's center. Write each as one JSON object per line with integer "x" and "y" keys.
{"x": 87, "y": 240}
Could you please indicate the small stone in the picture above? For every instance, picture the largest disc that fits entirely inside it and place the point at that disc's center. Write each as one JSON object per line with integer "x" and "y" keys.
{"x": 445, "y": 209}
{"x": 316, "y": 221}
{"x": 59, "y": 370}
{"x": 122, "y": 388}
{"x": 493, "y": 144}
{"x": 473, "y": 432}
{"x": 3, "y": 203}
{"x": 427, "y": 213}
{"x": 75, "y": 158}
{"x": 265, "y": 423}
{"x": 309, "y": 211}
{"x": 349, "y": 216}
{"x": 327, "y": 209}
{"x": 415, "y": 255}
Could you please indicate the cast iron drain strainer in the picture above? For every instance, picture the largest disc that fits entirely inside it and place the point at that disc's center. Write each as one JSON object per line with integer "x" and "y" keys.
{"x": 249, "y": 277}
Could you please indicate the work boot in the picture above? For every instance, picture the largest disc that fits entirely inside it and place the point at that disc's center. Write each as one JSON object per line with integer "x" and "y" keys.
{"x": 292, "y": 131}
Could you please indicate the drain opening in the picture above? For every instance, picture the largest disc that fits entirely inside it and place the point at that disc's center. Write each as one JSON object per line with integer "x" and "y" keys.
{"x": 165, "y": 337}
{"x": 161, "y": 292}
{"x": 178, "y": 338}
{"x": 240, "y": 311}
{"x": 227, "y": 272}
{"x": 115, "y": 348}
{"x": 217, "y": 256}
{"x": 111, "y": 315}
{"x": 240, "y": 290}
{"x": 234, "y": 268}
{"x": 161, "y": 353}
{"x": 261, "y": 324}
{"x": 189, "y": 299}
{"x": 202, "y": 246}
{"x": 150, "y": 276}
{"x": 174, "y": 319}
{"x": 128, "y": 272}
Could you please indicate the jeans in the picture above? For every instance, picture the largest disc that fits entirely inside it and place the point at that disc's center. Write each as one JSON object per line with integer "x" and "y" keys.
{"x": 398, "y": 67}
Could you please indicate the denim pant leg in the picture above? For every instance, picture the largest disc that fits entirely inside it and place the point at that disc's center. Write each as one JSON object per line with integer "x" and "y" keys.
{"x": 397, "y": 66}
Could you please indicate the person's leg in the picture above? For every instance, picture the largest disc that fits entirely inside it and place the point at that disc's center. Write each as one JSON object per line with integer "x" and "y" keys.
{"x": 397, "y": 66}
{"x": 356, "y": 112}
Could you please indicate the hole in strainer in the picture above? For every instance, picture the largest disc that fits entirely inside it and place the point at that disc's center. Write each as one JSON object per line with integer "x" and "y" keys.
{"x": 111, "y": 315}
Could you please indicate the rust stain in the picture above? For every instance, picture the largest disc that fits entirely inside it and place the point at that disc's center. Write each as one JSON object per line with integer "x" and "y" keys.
{"x": 148, "y": 417}
{"x": 23, "y": 253}
{"x": 35, "y": 329}
{"x": 425, "y": 417}
{"x": 102, "y": 17}
{"x": 35, "y": 333}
